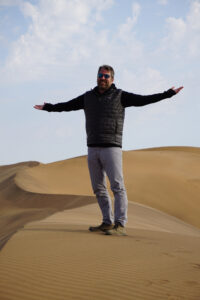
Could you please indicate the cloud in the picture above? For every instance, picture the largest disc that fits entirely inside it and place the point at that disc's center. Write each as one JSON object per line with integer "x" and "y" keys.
{"x": 60, "y": 35}
{"x": 68, "y": 35}
{"x": 126, "y": 28}
{"x": 65, "y": 35}
{"x": 183, "y": 37}
{"x": 122, "y": 45}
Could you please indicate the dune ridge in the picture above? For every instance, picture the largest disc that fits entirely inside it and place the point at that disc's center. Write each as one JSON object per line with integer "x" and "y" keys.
{"x": 19, "y": 206}
{"x": 165, "y": 178}
{"x": 53, "y": 256}
{"x": 188, "y": 149}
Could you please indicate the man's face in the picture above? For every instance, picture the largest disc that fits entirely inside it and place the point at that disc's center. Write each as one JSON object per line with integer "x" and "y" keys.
{"x": 104, "y": 80}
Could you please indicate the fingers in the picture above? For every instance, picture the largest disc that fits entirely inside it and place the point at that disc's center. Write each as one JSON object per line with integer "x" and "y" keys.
{"x": 177, "y": 90}
{"x": 40, "y": 107}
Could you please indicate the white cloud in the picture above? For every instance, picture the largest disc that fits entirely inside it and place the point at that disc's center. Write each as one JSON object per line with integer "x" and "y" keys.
{"x": 63, "y": 45}
{"x": 126, "y": 28}
{"x": 177, "y": 31}
{"x": 60, "y": 34}
{"x": 183, "y": 37}
{"x": 64, "y": 35}
{"x": 193, "y": 18}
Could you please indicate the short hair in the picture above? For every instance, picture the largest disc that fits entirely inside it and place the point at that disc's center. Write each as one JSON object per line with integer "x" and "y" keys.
{"x": 107, "y": 68}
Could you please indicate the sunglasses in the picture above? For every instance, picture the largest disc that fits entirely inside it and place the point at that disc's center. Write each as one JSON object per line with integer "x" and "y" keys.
{"x": 106, "y": 76}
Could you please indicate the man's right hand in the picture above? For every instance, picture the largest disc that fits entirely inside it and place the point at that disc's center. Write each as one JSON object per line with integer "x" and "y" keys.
{"x": 40, "y": 107}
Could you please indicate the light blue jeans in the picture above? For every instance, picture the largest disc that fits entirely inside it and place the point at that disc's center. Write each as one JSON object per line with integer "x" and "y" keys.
{"x": 102, "y": 162}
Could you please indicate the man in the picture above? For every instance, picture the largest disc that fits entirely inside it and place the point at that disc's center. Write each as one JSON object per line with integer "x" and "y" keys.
{"x": 104, "y": 108}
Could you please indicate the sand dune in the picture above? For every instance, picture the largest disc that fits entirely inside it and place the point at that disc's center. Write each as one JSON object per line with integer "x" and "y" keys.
{"x": 164, "y": 178}
{"x": 52, "y": 255}
{"x": 167, "y": 179}
{"x": 58, "y": 258}
{"x": 18, "y": 206}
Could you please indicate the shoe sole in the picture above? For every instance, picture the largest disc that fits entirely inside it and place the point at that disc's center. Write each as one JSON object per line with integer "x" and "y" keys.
{"x": 115, "y": 233}
{"x": 99, "y": 230}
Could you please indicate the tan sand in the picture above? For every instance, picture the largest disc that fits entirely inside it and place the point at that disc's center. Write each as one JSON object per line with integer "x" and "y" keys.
{"x": 164, "y": 178}
{"x": 58, "y": 258}
{"x": 17, "y": 206}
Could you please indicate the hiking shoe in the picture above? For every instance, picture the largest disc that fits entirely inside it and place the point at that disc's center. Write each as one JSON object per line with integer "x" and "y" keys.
{"x": 103, "y": 227}
{"x": 118, "y": 229}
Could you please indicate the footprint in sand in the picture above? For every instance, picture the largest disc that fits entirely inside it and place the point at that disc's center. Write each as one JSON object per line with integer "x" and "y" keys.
{"x": 196, "y": 266}
{"x": 160, "y": 282}
{"x": 163, "y": 281}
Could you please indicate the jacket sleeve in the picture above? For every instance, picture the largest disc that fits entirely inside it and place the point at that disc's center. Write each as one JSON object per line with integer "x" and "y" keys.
{"x": 74, "y": 104}
{"x": 130, "y": 99}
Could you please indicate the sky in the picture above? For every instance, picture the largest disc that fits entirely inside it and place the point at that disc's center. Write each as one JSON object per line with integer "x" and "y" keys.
{"x": 50, "y": 51}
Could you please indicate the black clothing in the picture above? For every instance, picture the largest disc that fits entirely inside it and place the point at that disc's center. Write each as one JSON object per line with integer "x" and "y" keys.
{"x": 127, "y": 100}
{"x": 105, "y": 112}
{"x": 104, "y": 115}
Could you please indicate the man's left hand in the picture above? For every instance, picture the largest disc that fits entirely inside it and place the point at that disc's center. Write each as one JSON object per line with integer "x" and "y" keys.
{"x": 177, "y": 90}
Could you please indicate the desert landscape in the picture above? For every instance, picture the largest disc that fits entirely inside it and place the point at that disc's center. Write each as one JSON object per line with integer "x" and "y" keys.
{"x": 47, "y": 252}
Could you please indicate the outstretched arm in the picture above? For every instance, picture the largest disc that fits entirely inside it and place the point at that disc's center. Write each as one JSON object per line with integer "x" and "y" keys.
{"x": 74, "y": 104}
{"x": 130, "y": 99}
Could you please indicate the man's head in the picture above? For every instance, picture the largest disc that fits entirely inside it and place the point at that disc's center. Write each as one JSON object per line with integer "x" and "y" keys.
{"x": 105, "y": 77}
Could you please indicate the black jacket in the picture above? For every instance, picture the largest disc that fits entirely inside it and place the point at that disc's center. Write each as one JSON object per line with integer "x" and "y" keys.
{"x": 105, "y": 112}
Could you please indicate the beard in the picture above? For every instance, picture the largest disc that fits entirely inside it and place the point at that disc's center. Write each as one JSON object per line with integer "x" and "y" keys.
{"x": 103, "y": 85}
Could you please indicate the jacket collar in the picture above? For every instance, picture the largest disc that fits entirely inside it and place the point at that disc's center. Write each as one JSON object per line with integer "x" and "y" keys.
{"x": 96, "y": 90}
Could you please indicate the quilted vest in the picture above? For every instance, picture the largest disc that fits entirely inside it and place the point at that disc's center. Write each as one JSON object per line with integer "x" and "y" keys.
{"x": 104, "y": 117}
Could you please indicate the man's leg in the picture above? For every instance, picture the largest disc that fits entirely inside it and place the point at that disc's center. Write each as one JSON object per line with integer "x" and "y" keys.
{"x": 112, "y": 162}
{"x": 98, "y": 180}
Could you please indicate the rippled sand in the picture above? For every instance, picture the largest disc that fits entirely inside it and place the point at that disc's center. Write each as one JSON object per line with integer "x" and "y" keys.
{"x": 52, "y": 255}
